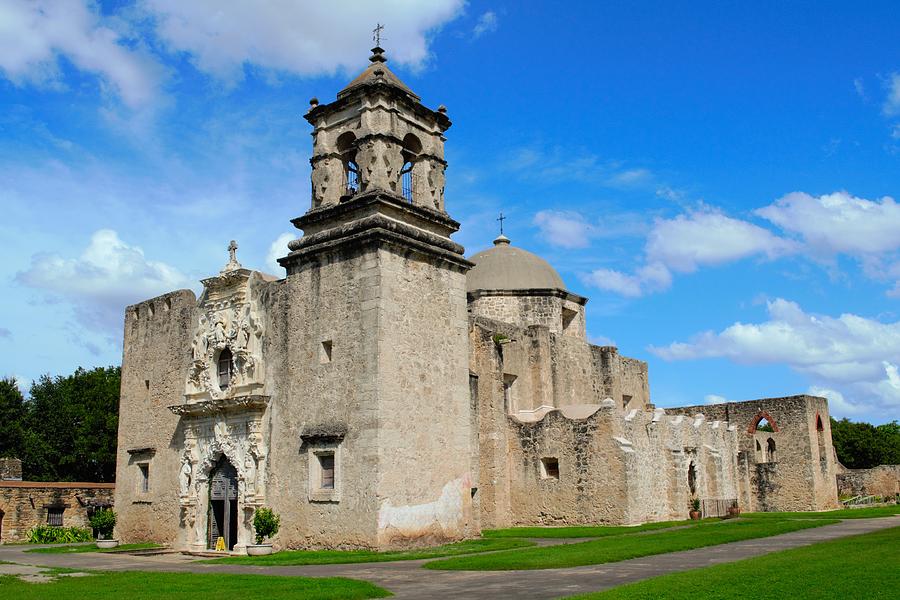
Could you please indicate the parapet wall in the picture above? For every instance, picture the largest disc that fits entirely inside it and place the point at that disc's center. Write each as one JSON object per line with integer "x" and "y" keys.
{"x": 24, "y": 504}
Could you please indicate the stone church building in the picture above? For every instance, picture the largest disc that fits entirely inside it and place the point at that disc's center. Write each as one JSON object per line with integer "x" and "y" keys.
{"x": 388, "y": 391}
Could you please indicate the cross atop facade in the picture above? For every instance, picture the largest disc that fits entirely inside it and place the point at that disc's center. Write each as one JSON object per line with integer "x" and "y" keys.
{"x": 376, "y": 34}
{"x": 233, "y": 264}
{"x": 501, "y": 218}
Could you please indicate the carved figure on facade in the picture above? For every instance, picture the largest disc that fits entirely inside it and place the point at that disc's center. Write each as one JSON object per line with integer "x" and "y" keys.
{"x": 230, "y": 317}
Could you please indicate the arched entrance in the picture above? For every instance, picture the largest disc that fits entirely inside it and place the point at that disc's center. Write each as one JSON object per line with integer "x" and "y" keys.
{"x": 223, "y": 509}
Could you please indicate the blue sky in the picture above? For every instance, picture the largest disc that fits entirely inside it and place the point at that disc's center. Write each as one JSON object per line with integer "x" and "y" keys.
{"x": 718, "y": 178}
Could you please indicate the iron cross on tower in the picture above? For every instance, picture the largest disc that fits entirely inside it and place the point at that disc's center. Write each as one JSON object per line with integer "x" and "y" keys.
{"x": 376, "y": 34}
{"x": 501, "y": 218}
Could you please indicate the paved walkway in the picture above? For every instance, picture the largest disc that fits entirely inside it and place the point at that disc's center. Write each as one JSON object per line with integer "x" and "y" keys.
{"x": 408, "y": 580}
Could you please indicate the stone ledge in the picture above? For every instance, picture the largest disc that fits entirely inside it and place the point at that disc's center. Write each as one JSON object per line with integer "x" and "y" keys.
{"x": 222, "y": 405}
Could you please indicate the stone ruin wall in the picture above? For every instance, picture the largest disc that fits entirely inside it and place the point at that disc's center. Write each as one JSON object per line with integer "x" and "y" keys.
{"x": 155, "y": 362}
{"x": 883, "y": 480}
{"x": 612, "y": 463}
{"x": 802, "y": 475}
{"x": 25, "y": 504}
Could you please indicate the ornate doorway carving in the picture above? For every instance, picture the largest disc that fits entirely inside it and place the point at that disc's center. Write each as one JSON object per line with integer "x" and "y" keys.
{"x": 223, "y": 508}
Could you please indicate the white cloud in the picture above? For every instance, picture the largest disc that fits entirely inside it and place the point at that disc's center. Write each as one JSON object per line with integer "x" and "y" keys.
{"x": 714, "y": 399}
{"x": 703, "y": 237}
{"x": 630, "y": 178}
{"x": 892, "y": 102}
{"x": 708, "y": 237}
{"x": 303, "y": 37}
{"x": 836, "y": 401}
{"x": 564, "y": 228}
{"x": 278, "y": 249}
{"x": 34, "y": 35}
{"x": 849, "y": 352}
{"x": 838, "y": 222}
{"x": 107, "y": 276}
{"x": 487, "y": 23}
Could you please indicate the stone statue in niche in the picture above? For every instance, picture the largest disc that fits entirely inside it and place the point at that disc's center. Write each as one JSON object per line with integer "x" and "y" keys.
{"x": 186, "y": 475}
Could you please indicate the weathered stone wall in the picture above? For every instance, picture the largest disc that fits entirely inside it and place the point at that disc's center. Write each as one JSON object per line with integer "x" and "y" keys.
{"x": 552, "y": 310}
{"x": 883, "y": 480}
{"x": 332, "y": 299}
{"x": 802, "y": 474}
{"x": 424, "y": 483}
{"x": 543, "y": 397}
{"x": 155, "y": 363}
{"x": 623, "y": 379}
{"x": 24, "y": 504}
{"x": 10, "y": 469}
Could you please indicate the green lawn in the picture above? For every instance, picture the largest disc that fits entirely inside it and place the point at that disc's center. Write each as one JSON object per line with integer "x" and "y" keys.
{"x": 863, "y": 566}
{"x": 139, "y": 585}
{"x": 93, "y": 548}
{"x": 577, "y": 531}
{"x": 622, "y": 547}
{"x": 324, "y": 557}
{"x": 847, "y": 513}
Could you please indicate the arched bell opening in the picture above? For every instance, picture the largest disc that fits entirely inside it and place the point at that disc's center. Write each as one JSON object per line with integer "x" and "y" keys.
{"x": 222, "y": 516}
{"x": 346, "y": 147}
{"x": 412, "y": 147}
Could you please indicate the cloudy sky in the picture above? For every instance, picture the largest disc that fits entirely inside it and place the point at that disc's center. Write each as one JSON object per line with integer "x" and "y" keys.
{"x": 719, "y": 181}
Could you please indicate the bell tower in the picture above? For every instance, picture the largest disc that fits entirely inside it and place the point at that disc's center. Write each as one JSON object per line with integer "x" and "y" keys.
{"x": 379, "y": 136}
{"x": 376, "y": 323}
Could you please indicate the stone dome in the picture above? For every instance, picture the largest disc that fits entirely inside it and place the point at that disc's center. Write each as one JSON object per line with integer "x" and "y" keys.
{"x": 505, "y": 267}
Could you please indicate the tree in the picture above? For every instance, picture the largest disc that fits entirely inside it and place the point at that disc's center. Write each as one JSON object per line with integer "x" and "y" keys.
{"x": 71, "y": 427}
{"x": 863, "y": 446}
{"x": 12, "y": 418}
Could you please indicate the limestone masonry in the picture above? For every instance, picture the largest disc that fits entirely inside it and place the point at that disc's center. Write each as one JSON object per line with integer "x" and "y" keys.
{"x": 390, "y": 392}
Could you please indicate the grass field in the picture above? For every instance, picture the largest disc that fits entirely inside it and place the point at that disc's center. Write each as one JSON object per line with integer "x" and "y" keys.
{"x": 622, "y": 547}
{"x": 847, "y": 513}
{"x": 578, "y": 531}
{"x": 324, "y": 557}
{"x": 864, "y": 566}
{"x": 139, "y": 585}
{"x": 92, "y": 548}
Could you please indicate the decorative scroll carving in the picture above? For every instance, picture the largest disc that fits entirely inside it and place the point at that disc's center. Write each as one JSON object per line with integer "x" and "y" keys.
{"x": 230, "y": 317}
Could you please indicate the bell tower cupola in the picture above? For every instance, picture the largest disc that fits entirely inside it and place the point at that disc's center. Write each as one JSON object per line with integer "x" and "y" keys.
{"x": 379, "y": 136}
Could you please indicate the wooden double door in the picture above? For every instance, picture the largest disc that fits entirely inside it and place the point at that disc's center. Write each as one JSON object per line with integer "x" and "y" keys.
{"x": 223, "y": 509}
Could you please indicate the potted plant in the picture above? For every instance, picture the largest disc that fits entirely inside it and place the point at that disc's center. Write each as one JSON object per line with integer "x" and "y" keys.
{"x": 734, "y": 510}
{"x": 104, "y": 521}
{"x": 695, "y": 509}
{"x": 265, "y": 523}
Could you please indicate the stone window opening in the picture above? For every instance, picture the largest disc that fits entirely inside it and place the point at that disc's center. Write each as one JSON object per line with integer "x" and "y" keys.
{"x": 549, "y": 468}
{"x": 820, "y": 439}
{"x": 692, "y": 479}
{"x": 325, "y": 471}
{"x": 408, "y": 182}
{"x": 626, "y": 400}
{"x": 508, "y": 393}
{"x": 325, "y": 352}
{"x": 225, "y": 369}
{"x": 764, "y": 425}
{"x": 144, "y": 469}
{"x": 819, "y": 426}
{"x": 326, "y": 468}
{"x": 770, "y": 450}
{"x": 55, "y": 516}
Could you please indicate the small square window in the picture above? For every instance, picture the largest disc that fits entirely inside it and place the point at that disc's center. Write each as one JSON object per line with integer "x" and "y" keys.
{"x": 145, "y": 477}
{"x": 55, "y": 516}
{"x": 549, "y": 468}
{"x": 326, "y": 466}
{"x": 325, "y": 352}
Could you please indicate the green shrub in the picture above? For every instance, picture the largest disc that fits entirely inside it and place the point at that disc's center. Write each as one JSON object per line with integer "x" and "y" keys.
{"x": 104, "y": 520}
{"x": 266, "y": 523}
{"x": 47, "y": 534}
